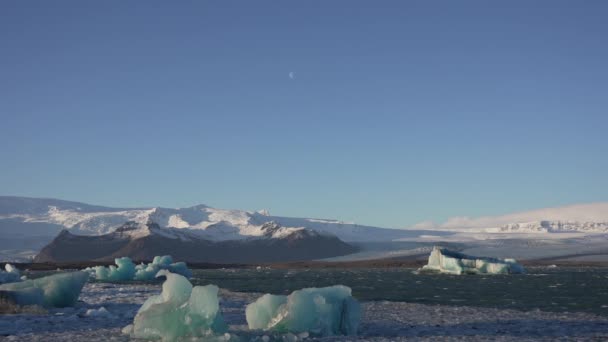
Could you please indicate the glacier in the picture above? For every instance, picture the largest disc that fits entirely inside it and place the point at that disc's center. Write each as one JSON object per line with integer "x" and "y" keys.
{"x": 57, "y": 290}
{"x": 179, "y": 311}
{"x": 446, "y": 261}
{"x": 126, "y": 270}
{"x": 323, "y": 311}
{"x": 10, "y": 274}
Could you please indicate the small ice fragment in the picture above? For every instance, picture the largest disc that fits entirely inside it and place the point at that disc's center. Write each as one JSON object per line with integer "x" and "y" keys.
{"x": 10, "y": 275}
{"x": 101, "y": 312}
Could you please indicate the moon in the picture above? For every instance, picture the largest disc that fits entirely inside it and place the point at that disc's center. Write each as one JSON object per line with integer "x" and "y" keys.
{"x": 292, "y": 75}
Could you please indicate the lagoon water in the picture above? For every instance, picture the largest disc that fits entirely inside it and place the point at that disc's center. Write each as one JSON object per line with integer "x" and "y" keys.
{"x": 397, "y": 304}
{"x": 562, "y": 289}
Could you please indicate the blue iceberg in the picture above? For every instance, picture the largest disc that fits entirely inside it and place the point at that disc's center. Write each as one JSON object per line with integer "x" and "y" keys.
{"x": 57, "y": 290}
{"x": 165, "y": 262}
{"x": 126, "y": 270}
{"x": 443, "y": 260}
{"x": 180, "y": 311}
{"x": 323, "y": 311}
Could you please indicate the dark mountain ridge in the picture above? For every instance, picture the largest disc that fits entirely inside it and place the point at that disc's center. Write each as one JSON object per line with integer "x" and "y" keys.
{"x": 144, "y": 241}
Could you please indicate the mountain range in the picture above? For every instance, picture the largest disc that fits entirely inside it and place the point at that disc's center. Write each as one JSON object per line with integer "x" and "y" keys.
{"x": 142, "y": 242}
{"x": 29, "y": 224}
{"x": 73, "y": 231}
{"x": 22, "y": 216}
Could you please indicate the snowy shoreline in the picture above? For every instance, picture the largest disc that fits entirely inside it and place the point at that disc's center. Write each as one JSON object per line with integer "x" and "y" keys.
{"x": 381, "y": 320}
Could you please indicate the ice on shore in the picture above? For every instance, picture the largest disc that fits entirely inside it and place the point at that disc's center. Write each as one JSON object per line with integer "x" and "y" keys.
{"x": 446, "y": 261}
{"x": 126, "y": 270}
{"x": 57, "y": 290}
{"x": 10, "y": 275}
{"x": 179, "y": 311}
{"x": 319, "y": 311}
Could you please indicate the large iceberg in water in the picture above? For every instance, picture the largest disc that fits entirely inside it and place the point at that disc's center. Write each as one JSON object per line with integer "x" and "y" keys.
{"x": 319, "y": 311}
{"x": 179, "y": 311}
{"x": 10, "y": 275}
{"x": 446, "y": 261}
{"x": 57, "y": 290}
{"x": 126, "y": 270}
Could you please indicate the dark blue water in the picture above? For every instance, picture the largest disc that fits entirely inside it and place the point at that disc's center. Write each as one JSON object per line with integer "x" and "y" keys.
{"x": 548, "y": 289}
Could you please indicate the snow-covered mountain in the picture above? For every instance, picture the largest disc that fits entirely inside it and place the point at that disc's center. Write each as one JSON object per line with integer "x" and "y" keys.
{"x": 20, "y": 216}
{"x": 584, "y": 218}
{"x": 28, "y": 224}
{"x": 144, "y": 241}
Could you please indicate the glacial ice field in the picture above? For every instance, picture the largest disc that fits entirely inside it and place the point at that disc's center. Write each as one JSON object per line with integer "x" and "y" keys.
{"x": 396, "y": 304}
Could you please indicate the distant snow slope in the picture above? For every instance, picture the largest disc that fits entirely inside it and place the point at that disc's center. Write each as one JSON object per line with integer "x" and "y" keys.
{"x": 585, "y": 218}
{"x": 21, "y": 216}
{"x": 26, "y": 218}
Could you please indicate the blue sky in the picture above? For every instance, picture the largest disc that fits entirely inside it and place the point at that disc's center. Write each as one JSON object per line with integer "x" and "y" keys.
{"x": 398, "y": 112}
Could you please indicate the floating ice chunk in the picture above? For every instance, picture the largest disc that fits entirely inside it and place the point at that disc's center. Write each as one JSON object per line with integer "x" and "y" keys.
{"x": 10, "y": 275}
{"x": 57, "y": 290}
{"x": 514, "y": 266}
{"x": 149, "y": 271}
{"x": 445, "y": 261}
{"x": 179, "y": 311}
{"x": 261, "y": 313}
{"x": 101, "y": 312}
{"x": 125, "y": 269}
{"x": 11, "y": 269}
{"x": 319, "y": 311}
{"x": 164, "y": 260}
{"x": 146, "y": 272}
{"x": 180, "y": 268}
{"x": 203, "y": 310}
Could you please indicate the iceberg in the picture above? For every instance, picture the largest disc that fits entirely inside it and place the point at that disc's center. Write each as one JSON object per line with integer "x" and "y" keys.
{"x": 165, "y": 262}
{"x": 10, "y": 275}
{"x": 323, "y": 311}
{"x": 179, "y": 311}
{"x": 57, "y": 290}
{"x": 126, "y": 270}
{"x": 446, "y": 261}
